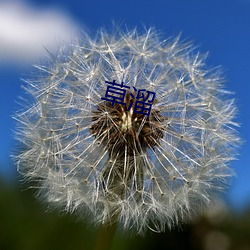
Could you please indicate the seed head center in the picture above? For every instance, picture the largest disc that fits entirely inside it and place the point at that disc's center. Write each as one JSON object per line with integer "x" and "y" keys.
{"x": 127, "y": 121}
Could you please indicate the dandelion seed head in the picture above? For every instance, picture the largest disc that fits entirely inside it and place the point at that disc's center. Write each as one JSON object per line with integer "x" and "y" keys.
{"x": 106, "y": 161}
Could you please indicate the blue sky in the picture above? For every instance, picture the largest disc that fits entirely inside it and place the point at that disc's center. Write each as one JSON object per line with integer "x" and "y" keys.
{"x": 221, "y": 27}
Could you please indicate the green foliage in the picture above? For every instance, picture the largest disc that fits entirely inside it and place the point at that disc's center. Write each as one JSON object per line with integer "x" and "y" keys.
{"x": 25, "y": 226}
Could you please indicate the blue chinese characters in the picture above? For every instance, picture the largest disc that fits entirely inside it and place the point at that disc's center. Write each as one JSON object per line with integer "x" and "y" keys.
{"x": 116, "y": 93}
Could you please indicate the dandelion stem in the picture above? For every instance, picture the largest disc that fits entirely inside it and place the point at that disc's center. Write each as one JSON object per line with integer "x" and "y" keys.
{"x": 105, "y": 236}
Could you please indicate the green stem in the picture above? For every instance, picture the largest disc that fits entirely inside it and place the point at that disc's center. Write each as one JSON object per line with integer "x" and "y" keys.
{"x": 105, "y": 236}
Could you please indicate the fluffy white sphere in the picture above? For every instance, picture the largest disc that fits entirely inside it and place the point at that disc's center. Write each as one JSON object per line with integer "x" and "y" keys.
{"x": 95, "y": 157}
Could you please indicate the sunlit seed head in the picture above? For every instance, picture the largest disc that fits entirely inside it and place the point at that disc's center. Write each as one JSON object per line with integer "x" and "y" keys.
{"x": 109, "y": 162}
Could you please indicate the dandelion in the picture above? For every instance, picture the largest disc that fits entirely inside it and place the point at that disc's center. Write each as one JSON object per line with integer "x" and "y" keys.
{"x": 110, "y": 163}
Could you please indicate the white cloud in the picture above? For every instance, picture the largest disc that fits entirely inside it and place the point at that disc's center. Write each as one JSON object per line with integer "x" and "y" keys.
{"x": 25, "y": 31}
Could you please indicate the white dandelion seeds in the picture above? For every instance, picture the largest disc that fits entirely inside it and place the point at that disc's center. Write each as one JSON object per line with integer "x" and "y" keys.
{"x": 107, "y": 163}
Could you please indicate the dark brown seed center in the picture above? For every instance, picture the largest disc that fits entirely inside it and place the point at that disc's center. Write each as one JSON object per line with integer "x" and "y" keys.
{"x": 116, "y": 128}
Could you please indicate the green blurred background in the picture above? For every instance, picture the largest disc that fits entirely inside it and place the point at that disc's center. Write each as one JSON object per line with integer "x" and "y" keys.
{"x": 27, "y": 225}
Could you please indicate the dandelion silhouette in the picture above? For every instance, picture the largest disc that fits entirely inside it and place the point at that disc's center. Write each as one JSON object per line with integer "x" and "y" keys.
{"x": 100, "y": 160}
